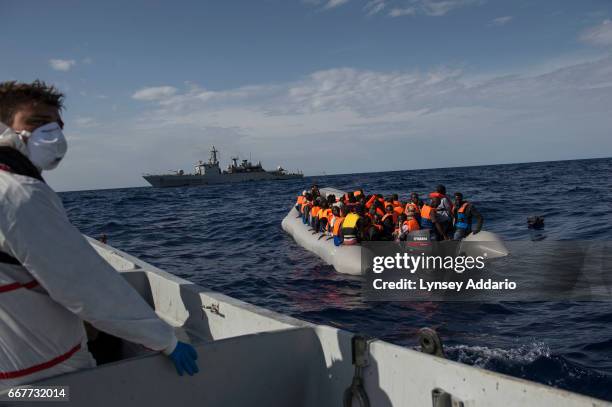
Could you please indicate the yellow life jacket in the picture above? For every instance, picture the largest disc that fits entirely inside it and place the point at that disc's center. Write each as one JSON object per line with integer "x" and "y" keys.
{"x": 351, "y": 220}
{"x": 349, "y": 226}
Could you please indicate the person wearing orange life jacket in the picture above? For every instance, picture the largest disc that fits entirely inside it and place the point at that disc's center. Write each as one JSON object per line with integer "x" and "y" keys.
{"x": 398, "y": 208}
{"x": 336, "y": 225}
{"x": 430, "y": 220}
{"x": 373, "y": 228}
{"x": 399, "y": 227}
{"x": 314, "y": 214}
{"x": 414, "y": 202}
{"x": 389, "y": 220}
{"x": 379, "y": 205}
{"x": 463, "y": 216}
{"x": 371, "y": 213}
{"x": 414, "y": 206}
{"x": 314, "y": 191}
{"x": 305, "y": 209}
{"x": 445, "y": 209}
{"x": 411, "y": 222}
{"x": 395, "y": 200}
{"x": 352, "y": 227}
{"x": 300, "y": 201}
{"x": 350, "y": 200}
{"x": 324, "y": 217}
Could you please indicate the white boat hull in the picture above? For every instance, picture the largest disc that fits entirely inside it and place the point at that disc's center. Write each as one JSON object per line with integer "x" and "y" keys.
{"x": 249, "y": 356}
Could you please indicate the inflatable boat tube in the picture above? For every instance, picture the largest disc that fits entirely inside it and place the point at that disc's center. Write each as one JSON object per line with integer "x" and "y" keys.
{"x": 347, "y": 259}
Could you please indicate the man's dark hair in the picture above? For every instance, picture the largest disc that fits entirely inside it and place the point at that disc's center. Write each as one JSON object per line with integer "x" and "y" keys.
{"x": 441, "y": 189}
{"x": 14, "y": 95}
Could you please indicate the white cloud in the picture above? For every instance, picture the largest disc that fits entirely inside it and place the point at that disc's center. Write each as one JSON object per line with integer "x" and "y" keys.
{"x": 601, "y": 34}
{"x": 62, "y": 64}
{"x": 400, "y": 8}
{"x": 374, "y": 7}
{"x": 399, "y": 12}
{"x": 336, "y": 3}
{"x": 154, "y": 93}
{"x": 499, "y": 21}
{"x": 85, "y": 122}
{"x": 382, "y": 104}
{"x": 442, "y": 7}
{"x": 329, "y": 4}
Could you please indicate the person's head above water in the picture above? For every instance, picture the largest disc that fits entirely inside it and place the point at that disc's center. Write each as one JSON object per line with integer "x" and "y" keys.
{"x": 458, "y": 198}
{"x": 28, "y": 106}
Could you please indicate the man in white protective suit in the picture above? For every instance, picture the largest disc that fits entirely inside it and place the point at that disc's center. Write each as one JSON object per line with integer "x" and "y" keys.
{"x": 51, "y": 278}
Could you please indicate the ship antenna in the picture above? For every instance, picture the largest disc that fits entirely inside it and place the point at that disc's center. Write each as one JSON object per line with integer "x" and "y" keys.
{"x": 213, "y": 156}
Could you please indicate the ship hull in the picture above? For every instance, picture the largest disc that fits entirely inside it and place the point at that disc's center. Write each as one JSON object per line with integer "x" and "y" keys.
{"x": 191, "y": 180}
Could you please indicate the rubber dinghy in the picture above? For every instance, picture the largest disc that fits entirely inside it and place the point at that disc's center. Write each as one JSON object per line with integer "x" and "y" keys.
{"x": 347, "y": 259}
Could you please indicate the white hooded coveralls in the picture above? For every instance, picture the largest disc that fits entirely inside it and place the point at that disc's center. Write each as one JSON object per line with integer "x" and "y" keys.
{"x": 61, "y": 282}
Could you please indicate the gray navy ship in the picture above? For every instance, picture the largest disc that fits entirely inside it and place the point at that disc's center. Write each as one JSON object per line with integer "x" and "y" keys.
{"x": 210, "y": 173}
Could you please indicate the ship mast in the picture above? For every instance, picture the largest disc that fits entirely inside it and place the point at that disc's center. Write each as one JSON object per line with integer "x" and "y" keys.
{"x": 213, "y": 156}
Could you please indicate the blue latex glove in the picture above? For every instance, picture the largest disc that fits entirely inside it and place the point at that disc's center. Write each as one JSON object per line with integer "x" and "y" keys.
{"x": 184, "y": 357}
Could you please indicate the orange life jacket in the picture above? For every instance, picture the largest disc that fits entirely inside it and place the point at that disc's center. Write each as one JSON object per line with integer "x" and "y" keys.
{"x": 412, "y": 224}
{"x": 398, "y": 209}
{"x": 300, "y": 199}
{"x": 442, "y": 196}
{"x": 426, "y": 222}
{"x": 386, "y": 215}
{"x": 314, "y": 211}
{"x": 324, "y": 213}
{"x": 337, "y": 225}
{"x": 370, "y": 201}
{"x": 304, "y": 205}
{"x": 356, "y": 193}
{"x": 462, "y": 221}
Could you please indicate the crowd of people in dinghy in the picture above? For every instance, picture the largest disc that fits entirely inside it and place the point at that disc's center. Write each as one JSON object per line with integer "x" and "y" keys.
{"x": 356, "y": 217}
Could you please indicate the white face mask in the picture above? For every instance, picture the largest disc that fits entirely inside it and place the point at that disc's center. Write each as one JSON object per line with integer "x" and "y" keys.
{"x": 46, "y": 146}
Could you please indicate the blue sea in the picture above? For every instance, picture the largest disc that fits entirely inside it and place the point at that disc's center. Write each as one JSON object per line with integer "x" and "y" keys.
{"x": 229, "y": 239}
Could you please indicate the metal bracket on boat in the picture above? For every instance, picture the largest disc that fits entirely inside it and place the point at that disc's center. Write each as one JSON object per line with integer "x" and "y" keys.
{"x": 361, "y": 358}
{"x": 213, "y": 308}
{"x": 440, "y": 398}
{"x": 430, "y": 342}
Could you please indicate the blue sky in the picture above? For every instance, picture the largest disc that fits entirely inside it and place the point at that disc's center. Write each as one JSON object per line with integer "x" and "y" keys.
{"x": 332, "y": 86}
